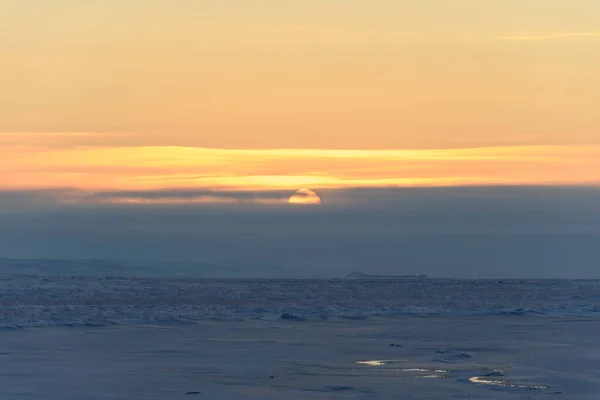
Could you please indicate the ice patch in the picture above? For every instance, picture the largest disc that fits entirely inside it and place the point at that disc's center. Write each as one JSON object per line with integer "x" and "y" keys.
{"x": 378, "y": 362}
{"x": 424, "y": 370}
{"x": 481, "y": 380}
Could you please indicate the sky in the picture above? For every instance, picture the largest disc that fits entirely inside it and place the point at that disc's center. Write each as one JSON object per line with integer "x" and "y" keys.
{"x": 234, "y": 105}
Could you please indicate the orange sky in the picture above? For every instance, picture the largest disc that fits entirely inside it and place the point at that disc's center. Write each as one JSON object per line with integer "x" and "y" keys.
{"x": 33, "y": 165}
{"x": 135, "y": 94}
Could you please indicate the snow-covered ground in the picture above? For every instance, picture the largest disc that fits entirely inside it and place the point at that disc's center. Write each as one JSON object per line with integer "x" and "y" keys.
{"x": 133, "y": 338}
{"x": 40, "y": 301}
{"x": 405, "y": 357}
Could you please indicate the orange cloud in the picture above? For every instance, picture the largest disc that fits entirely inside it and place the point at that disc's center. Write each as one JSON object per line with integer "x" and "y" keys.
{"x": 30, "y": 164}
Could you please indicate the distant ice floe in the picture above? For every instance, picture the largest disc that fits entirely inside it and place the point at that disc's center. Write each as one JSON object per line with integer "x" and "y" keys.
{"x": 482, "y": 380}
{"x": 429, "y": 373}
{"x": 418, "y": 372}
{"x": 379, "y": 362}
{"x": 424, "y": 370}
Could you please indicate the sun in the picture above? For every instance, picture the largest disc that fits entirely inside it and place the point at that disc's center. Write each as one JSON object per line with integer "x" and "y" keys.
{"x": 305, "y": 196}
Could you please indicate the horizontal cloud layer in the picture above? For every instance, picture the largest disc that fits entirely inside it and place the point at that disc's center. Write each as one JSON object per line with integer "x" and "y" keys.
{"x": 34, "y": 163}
{"x": 458, "y": 231}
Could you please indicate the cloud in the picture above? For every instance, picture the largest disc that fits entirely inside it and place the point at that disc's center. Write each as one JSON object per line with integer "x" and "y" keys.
{"x": 459, "y": 231}
{"x": 19, "y": 199}
{"x": 187, "y": 196}
{"x": 460, "y": 198}
{"x": 164, "y": 167}
{"x": 552, "y": 36}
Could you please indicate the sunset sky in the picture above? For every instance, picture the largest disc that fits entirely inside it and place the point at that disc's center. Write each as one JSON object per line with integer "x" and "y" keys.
{"x": 453, "y": 138}
{"x": 260, "y": 95}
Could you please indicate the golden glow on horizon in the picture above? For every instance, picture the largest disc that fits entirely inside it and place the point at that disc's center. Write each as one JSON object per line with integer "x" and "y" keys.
{"x": 162, "y": 167}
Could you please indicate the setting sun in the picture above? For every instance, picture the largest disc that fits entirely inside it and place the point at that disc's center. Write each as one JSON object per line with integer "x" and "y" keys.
{"x": 305, "y": 196}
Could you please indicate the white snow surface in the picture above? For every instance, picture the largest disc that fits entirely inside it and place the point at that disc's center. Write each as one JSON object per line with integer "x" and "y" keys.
{"x": 137, "y": 338}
